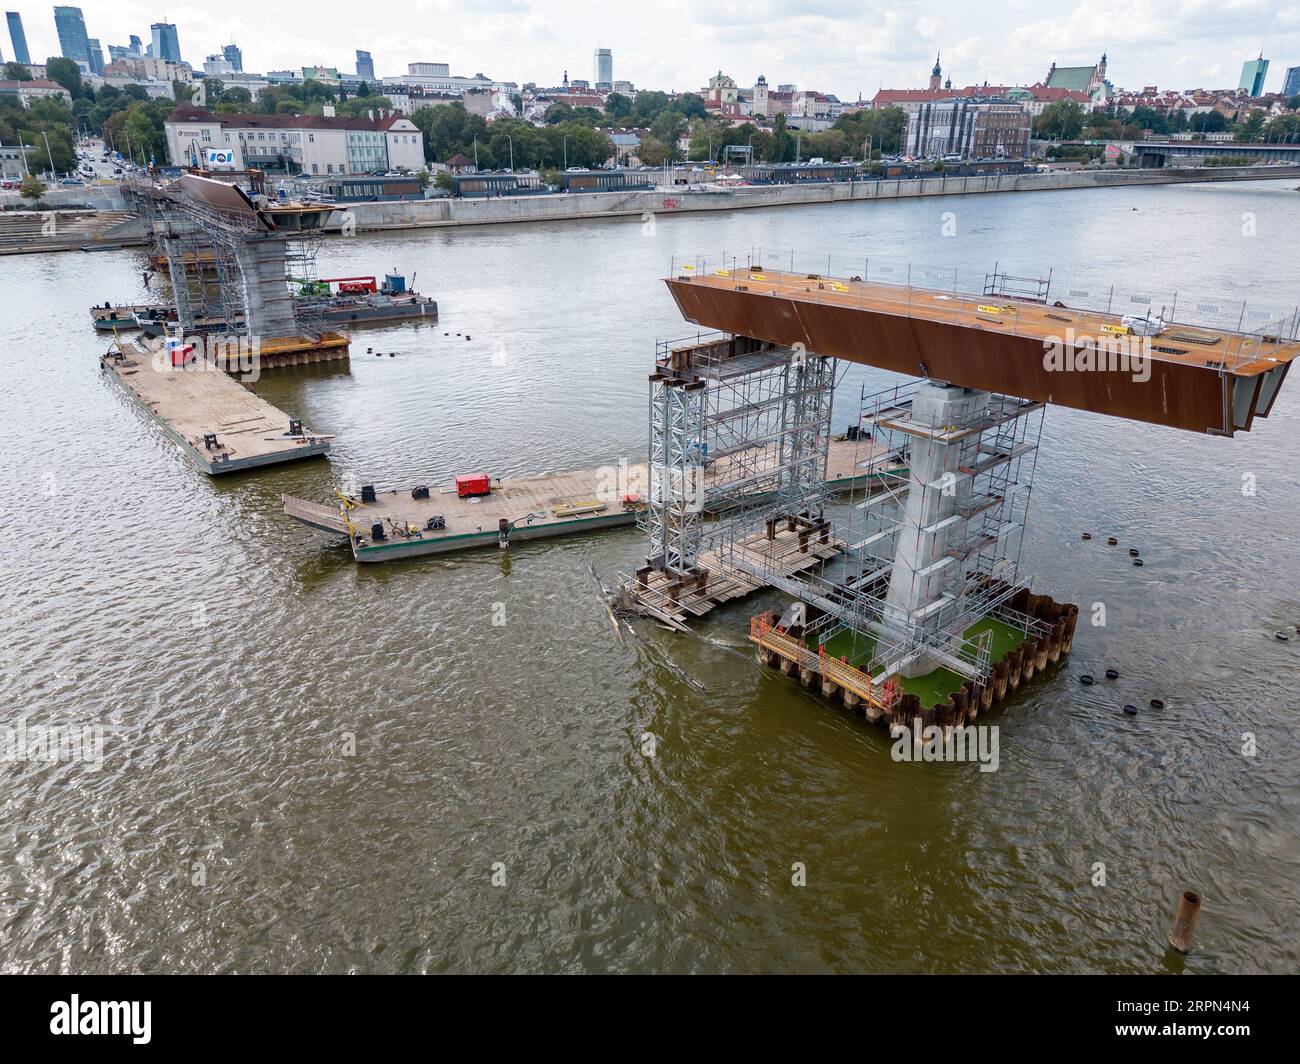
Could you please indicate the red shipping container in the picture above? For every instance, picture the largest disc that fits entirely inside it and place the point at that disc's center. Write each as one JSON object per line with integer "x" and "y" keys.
{"x": 473, "y": 484}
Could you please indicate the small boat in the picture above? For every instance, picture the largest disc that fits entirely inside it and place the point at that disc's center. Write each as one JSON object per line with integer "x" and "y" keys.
{"x": 115, "y": 321}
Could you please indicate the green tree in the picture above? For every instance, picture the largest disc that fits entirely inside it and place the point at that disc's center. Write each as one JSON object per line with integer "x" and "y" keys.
{"x": 690, "y": 104}
{"x": 668, "y": 127}
{"x": 870, "y": 132}
{"x": 1207, "y": 122}
{"x": 1253, "y": 127}
{"x": 66, "y": 73}
{"x": 17, "y": 72}
{"x": 1062, "y": 120}
{"x": 357, "y": 106}
{"x": 617, "y": 107}
{"x": 449, "y": 130}
{"x": 783, "y": 145}
{"x": 31, "y": 188}
{"x": 653, "y": 151}
{"x": 442, "y": 179}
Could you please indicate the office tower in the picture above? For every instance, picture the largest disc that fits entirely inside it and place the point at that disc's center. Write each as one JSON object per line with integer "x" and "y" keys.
{"x": 1253, "y": 73}
{"x": 603, "y": 67}
{"x": 19, "y": 38}
{"x": 166, "y": 44}
{"x": 73, "y": 42}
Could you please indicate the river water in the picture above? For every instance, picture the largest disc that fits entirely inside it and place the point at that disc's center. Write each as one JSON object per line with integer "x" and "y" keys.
{"x": 236, "y": 655}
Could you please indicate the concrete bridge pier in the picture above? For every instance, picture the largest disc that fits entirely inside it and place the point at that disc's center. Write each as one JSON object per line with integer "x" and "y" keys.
{"x": 945, "y": 426}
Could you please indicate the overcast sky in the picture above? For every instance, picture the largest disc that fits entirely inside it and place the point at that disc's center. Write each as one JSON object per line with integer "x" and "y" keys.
{"x": 838, "y": 46}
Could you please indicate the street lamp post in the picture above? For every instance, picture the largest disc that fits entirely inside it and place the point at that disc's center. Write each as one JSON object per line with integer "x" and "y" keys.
{"x": 566, "y": 151}
{"x": 49, "y": 154}
{"x": 475, "y": 151}
{"x": 512, "y": 152}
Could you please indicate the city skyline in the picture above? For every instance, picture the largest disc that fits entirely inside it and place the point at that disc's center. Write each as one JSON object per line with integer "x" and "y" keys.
{"x": 810, "y": 43}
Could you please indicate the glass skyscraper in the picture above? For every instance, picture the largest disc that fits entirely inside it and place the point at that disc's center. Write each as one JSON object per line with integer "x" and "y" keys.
{"x": 19, "y": 38}
{"x": 166, "y": 44}
{"x": 603, "y": 67}
{"x": 1253, "y": 73}
{"x": 73, "y": 42}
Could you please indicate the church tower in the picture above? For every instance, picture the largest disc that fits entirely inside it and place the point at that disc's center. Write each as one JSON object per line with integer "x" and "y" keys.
{"x": 936, "y": 75}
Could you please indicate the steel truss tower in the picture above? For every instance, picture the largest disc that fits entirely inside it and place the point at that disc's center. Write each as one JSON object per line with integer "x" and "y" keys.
{"x": 738, "y": 440}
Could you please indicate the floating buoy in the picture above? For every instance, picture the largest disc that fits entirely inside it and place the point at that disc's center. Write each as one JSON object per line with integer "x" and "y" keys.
{"x": 1157, "y": 704}
{"x": 392, "y": 354}
{"x": 1131, "y": 710}
{"x": 379, "y": 354}
{"x": 1282, "y": 636}
{"x": 1086, "y": 535}
{"x": 1111, "y": 541}
{"x": 369, "y": 349}
{"x": 1112, "y": 674}
{"x": 467, "y": 336}
{"x": 1132, "y": 552}
{"x": 1086, "y": 680}
{"x": 1138, "y": 562}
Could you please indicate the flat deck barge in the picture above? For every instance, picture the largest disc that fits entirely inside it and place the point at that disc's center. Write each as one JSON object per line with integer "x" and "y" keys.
{"x": 533, "y": 507}
{"x": 216, "y": 422}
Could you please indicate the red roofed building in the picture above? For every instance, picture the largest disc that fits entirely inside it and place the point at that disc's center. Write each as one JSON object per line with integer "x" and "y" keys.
{"x": 37, "y": 89}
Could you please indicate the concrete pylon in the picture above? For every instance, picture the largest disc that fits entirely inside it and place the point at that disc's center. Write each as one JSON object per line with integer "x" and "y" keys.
{"x": 925, "y": 575}
{"x": 268, "y": 304}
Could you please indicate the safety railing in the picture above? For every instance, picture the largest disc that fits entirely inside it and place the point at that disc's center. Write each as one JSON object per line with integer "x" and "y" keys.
{"x": 772, "y": 637}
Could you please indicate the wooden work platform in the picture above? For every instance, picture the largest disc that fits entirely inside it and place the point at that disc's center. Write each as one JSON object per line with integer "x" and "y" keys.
{"x": 194, "y": 403}
{"x": 788, "y": 552}
{"x": 533, "y": 507}
{"x": 1203, "y": 379}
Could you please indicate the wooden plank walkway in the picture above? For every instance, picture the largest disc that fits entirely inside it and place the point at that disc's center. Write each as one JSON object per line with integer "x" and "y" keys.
{"x": 783, "y": 555}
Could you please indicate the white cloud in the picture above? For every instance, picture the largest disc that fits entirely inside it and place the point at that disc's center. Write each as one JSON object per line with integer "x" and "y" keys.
{"x": 824, "y": 44}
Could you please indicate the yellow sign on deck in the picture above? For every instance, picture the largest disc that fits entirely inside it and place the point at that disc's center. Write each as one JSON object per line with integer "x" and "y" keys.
{"x": 989, "y": 310}
{"x": 758, "y": 277}
{"x": 723, "y": 273}
{"x": 1121, "y": 330}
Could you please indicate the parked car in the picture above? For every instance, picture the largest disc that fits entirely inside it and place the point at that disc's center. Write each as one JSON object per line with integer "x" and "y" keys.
{"x": 72, "y": 181}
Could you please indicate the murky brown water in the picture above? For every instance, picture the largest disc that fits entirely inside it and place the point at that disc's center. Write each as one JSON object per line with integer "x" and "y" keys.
{"x": 519, "y": 744}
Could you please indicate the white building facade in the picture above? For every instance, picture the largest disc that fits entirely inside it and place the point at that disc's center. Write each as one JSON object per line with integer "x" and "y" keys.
{"x": 314, "y": 145}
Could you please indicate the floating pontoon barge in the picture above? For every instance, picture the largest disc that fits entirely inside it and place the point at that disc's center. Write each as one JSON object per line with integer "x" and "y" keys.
{"x": 216, "y": 422}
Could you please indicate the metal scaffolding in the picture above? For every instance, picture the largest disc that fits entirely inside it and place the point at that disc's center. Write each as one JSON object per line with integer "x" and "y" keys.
{"x": 237, "y": 264}
{"x": 904, "y": 607}
{"x": 738, "y": 435}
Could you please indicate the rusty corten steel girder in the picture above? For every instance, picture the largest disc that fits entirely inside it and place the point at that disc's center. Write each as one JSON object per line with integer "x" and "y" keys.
{"x": 1192, "y": 392}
